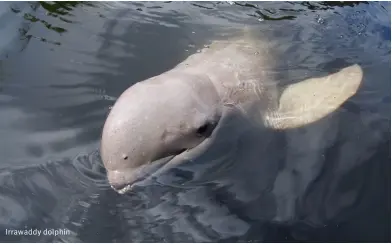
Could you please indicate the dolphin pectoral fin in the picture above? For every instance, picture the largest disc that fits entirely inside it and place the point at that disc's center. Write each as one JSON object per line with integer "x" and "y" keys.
{"x": 312, "y": 99}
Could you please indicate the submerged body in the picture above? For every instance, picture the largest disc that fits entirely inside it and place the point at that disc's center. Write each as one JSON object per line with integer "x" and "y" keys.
{"x": 179, "y": 111}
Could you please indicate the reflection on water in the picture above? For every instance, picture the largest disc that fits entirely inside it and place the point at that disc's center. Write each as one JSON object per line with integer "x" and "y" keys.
{"x": 63, "y": 64}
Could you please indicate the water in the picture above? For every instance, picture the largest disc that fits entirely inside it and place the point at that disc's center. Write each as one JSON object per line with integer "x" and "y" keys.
{"x": 62, "y": 65}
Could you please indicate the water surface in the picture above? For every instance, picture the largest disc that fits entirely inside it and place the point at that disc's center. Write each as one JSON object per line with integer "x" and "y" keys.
{"x": 62, "y": 65}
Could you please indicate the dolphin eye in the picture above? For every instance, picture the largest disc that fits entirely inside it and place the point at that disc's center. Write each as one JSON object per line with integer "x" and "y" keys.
{"x": 205, "y": 130}
{"x": 125, "y": 157}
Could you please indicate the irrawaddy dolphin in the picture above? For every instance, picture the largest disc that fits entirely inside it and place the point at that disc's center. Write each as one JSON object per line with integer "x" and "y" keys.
{"x": 178, "y": 112}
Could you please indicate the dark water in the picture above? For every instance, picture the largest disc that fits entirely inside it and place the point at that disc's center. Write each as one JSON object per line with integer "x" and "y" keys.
{"x": 62, "y": 65}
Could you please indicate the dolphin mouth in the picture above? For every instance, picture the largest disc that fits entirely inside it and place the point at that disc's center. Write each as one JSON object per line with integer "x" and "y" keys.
{"x": 123, "y": 190}
{"x": 140, "y": 174}
{"x": 160, "y": 166}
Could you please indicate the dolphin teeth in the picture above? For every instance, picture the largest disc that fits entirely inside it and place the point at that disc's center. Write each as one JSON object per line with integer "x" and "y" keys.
{"x": 123, "y": 190}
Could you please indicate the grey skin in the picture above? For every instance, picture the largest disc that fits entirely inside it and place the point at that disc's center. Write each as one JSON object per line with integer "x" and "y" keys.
{"x": 176, "y": 113}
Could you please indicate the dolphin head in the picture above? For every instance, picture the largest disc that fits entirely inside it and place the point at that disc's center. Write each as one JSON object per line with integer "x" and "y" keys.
{"x": 160, "y": 117}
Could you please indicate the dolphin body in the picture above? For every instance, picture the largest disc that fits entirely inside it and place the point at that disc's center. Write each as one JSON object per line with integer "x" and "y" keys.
{"x": 177, "y": 115}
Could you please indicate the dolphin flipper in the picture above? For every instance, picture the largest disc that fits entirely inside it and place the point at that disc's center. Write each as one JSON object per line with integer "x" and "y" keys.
{"x": 313, "y": 99}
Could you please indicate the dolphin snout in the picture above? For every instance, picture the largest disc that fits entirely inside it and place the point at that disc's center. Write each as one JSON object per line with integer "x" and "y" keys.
{"x": 122, "y": 180}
